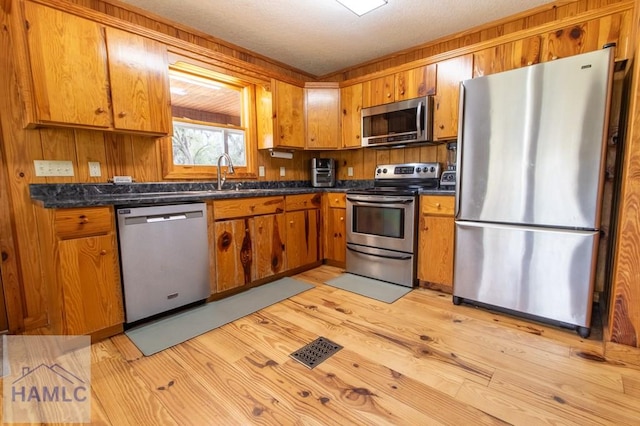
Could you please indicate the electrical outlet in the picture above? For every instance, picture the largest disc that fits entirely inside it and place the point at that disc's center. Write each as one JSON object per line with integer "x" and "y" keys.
{"x": 349, "y": 171}
{"x": 282, "y": 171}
{"x": 261, "y": 172}
{"x": 53, "y": 168}
{"x": 94, "y": 169}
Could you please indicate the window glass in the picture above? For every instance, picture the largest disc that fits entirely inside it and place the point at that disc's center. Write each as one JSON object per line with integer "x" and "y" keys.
{"x": 209, "y": 119}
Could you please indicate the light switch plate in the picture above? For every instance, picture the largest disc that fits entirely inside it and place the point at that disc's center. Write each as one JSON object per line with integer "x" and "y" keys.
{"x": 282, "y": 171}
{"x": 349, "y": 171}
{"x": 94, "y": 169}
{"x": 53, "y": 168}
{"x": 261, "y": 171}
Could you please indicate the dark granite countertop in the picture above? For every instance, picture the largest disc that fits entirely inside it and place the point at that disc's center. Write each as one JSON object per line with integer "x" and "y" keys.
{"x": 449, "y": 192}
{"x": 139, "y": 194}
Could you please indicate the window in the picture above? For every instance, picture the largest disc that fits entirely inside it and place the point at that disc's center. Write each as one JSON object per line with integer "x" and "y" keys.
{"x": 211, "y": 116}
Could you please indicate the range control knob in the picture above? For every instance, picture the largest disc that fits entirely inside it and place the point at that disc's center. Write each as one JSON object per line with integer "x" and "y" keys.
{"x": 418, "y": 169}
{"x": 384, "y": 170}
{"x": 432, "y": 169}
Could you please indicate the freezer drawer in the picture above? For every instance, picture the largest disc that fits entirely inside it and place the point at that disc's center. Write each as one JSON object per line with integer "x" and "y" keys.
{"x": 548, "y": 273}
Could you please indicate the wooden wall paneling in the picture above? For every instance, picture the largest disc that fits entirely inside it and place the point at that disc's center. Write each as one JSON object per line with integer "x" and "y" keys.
{"x": 412, "y": 155}
{"x": 428, "y": 154}
{"x": 507, "y": 56}
{"x": 573, "y": 40}
{"x": 20, "y": 148}
{"x": 396, "y": 156}
{"x": 147, "y": 164}
{"x": 541, "y": 18}
{"x": 90, "y": 147}
{"x": 369, "y": 162}
{"x": 10, "y": 269}
{"x": 624, "y": 309}
{"x": 383, "y": 156}
{"x": 59, "y": 145}
{"x": 120, "y": 160}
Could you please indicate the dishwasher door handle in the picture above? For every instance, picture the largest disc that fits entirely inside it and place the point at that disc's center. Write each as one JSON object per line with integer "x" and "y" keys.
{"x": 162, "y": 218}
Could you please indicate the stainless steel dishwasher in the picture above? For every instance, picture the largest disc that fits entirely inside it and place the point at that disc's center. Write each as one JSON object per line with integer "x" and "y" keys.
{"x": 164, "y": 257}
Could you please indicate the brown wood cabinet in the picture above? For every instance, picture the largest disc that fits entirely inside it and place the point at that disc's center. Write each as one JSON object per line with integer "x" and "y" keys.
{"x": 303, "y": 229}
{"x": 80, "y": 259}
{"x": 248, "y": 240}
{"x": 280, "y": 116}
{"x": 447, "y": 101}
{"x": 351, "y": 106}
{"x": 322, "y": 114}
{"x": 378, "y": 91}
{"x": 70, "y": 82}
{"x": 436, "y": 241}
{"x": 415, "y": 82}
{"x": 335, "y": 228}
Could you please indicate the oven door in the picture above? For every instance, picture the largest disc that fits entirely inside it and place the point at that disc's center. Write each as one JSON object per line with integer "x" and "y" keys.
{"x": 382, "y": 221}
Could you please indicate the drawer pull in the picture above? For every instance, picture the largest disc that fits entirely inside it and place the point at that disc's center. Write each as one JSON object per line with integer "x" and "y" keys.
{"x": 83, "y": 220}
{"x": 341, "y": 218}
{"x": 103, "y": 252}
{"x": 99, "y": 110}
{"x": 122, "y": 114}
{"x": 438, "y": 205}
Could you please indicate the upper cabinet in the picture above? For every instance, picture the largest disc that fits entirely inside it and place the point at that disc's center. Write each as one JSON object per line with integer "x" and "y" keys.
{"x": 447, "y": 101}
{"x": 280, "y": 115}
{"x": 322, "y": 113}
{"x": 415, "y": 82}
{"x": 409, "y": 84}
{"x": 139, "y": 72}
{"x": 78, "y": 73}
{"x": 351, "y": 107}
{"x": 378, "y": 91}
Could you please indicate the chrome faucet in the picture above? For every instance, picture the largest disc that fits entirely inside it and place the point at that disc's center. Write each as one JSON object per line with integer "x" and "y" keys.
{"x": 223, "y": 176}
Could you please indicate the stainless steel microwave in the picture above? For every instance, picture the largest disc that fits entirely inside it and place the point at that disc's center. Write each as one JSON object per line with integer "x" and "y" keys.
{"x": 398, "y": 123}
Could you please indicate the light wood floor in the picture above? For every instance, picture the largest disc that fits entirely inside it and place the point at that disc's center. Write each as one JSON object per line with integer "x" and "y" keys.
{"x": 418, "y": 361}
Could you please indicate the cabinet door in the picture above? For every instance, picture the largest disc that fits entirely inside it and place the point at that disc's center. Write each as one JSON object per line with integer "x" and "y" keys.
{"x": 336, "y": 247}
{"x": 415, "y": 82}
{"x": 139, "y": 75}
{"x": 90, "y": 278}
{"x": 322, "y": 107}
{"x": 435, "y": 251}
{"x": 378, "y": 91}
{"x": 269, "y": 245}
{"x": 69, "y": 68}
{"x": 351, "y": 105}
{"x": 302, "y": 237}
{"x": 288, "y": 115}
{"x": 447, "y": 101}
{"x": 234, "y": 253}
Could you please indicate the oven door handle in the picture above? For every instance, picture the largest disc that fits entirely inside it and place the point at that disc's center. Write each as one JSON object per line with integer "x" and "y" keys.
{"x": 380, "y": 255}
{"x": 388, "y": 200}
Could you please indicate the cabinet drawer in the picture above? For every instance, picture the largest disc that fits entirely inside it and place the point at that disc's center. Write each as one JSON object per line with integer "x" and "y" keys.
{"x": 437, "y": 205}
{"x": 227, "y": 209}
{"x": 79, "y": 222}
{"x": 337, "y": 200}
{"x": 303, "y": 201}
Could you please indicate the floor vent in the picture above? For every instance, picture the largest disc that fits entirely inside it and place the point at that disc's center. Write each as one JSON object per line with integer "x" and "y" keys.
{"x": 316, "y": 352}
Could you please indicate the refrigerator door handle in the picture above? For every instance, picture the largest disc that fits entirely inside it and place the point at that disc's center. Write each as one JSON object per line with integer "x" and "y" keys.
{"x": 460, "y": 147}
{"x": 506, "y": 226}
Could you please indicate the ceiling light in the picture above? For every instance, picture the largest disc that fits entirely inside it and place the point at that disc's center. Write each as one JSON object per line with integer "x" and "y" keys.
{"x": 360, "y": 7}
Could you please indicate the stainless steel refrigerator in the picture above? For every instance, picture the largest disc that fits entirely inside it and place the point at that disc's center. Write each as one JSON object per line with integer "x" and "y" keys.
{"x": 531, "y": 161}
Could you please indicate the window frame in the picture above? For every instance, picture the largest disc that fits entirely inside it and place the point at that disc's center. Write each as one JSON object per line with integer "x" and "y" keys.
{"x": 209, "y": 172}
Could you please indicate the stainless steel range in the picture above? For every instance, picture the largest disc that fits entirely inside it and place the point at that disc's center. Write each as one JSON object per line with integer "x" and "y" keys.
{"x": 382, "y": 222}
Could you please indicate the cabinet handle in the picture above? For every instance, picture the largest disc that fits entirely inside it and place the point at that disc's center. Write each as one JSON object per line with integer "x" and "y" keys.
{"x": 441, "y": 126}
{"x": 122, "y": 114}
{"x": 341, "y": 218}
{"x": 99, "y": 110}
{"x": 438, "y": 205}
{"x": 388, "y": 95}
{"x": 402, "y": 92}
{"x": 103, "y": 252}
{"x": 291, "y": 222}
{"x": 83, "y": 220}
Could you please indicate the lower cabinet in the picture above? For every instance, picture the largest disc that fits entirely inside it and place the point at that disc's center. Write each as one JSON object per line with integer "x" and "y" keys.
{"x": 436, "y": 242}
{"x": 335, "y": 228}
{"x": 303, "y": 229}
{"x": 247, "y": 240}
{"x": 80, "y": 258}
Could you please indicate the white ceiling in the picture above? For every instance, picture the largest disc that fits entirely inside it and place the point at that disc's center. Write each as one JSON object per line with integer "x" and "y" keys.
{"x": 322, "y": 36}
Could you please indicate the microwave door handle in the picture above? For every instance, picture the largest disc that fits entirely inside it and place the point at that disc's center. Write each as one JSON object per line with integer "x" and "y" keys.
{"x": 380, "y": 255}
{"x": 419, "y": 119}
